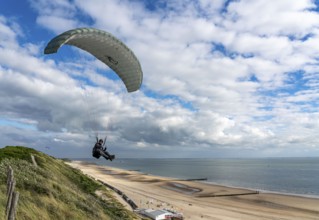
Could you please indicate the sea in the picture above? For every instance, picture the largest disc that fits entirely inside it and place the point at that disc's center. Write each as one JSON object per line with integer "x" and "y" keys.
{"x": 292, "y": 176}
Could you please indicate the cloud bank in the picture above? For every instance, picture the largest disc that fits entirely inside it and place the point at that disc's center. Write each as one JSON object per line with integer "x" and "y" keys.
{"x": 221, "y": 78}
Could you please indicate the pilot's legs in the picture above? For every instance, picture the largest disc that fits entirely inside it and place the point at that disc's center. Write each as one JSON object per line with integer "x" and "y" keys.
{"x": 106, "y": 155}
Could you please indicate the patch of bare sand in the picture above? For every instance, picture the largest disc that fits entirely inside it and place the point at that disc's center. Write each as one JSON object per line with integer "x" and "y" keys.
{"x": 197, "y": 200}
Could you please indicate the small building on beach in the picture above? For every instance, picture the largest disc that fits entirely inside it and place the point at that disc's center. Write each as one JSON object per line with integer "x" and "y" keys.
{"x": 161, "y": 214}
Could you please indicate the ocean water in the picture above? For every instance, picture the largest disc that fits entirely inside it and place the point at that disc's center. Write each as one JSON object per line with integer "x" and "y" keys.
{"x": 298, "y": 176}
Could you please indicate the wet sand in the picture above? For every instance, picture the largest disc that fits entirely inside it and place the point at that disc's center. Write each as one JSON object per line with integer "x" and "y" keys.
{"x": 198, "y": 200}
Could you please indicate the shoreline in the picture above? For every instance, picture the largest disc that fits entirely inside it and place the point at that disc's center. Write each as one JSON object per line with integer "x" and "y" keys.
{"x": 265, "y": 191}
{"x": 292, "y": 186}
{"x": 209, "y": 183}
{"x": 200, "y": 200}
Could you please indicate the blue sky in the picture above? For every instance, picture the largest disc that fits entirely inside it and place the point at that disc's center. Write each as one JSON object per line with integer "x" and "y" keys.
{"x": 221, "y": 78}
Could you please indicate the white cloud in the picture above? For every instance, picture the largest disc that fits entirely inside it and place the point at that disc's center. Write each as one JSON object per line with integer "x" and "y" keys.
{"x": 213, "y": 76}
{"x": 263, "y": 18}
{"x": 57, "y": 24}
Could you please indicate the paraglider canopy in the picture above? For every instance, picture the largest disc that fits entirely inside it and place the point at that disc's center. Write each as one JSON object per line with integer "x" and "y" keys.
{"x": 107, "y": 49}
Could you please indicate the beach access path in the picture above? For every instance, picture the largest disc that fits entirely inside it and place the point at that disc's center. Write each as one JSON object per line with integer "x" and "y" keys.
{"x": 198, "y": 200}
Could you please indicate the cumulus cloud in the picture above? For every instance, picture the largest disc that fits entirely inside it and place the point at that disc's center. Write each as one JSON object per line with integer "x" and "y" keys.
{"x": 221, "y": 74}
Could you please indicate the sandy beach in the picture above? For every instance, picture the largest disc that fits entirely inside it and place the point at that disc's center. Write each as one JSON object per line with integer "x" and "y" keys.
{"x": 198, "y": 200}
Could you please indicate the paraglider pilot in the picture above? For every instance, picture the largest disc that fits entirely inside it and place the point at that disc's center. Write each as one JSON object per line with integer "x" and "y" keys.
{"x": 100, "y": 150}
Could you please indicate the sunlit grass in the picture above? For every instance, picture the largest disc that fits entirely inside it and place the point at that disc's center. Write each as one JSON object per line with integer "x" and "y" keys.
{"x": 54, "y": 190}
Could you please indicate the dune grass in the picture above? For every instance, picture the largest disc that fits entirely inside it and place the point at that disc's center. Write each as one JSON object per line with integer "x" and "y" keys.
{"x": 54, "y": 190}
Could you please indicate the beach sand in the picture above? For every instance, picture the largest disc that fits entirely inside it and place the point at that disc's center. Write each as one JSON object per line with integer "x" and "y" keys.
{"x": 198, "y": 200}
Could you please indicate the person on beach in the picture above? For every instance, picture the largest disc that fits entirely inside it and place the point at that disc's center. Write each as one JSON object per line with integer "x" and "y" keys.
{"x": 100, "y": 150}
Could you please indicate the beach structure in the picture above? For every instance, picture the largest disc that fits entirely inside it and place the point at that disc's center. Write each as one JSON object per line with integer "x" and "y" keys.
{"x": 161, "y": 214}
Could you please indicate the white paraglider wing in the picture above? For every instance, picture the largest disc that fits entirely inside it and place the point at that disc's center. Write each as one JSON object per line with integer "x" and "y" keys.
{"x": 106, "y": 48}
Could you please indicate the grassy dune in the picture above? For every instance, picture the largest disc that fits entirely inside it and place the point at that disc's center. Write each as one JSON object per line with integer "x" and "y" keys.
{"x": 54, "y": 190}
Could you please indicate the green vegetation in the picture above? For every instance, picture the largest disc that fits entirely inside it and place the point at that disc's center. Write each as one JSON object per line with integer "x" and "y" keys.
{"x": 54, "y": 190}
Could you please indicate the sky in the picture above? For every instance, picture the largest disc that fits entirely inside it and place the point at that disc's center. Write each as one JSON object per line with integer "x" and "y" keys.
{"x": 221, "y": 79}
